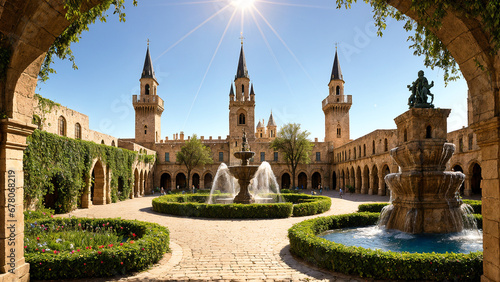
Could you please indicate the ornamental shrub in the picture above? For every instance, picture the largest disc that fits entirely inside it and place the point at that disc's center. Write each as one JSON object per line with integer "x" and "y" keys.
{"x": 195, "y": 205}
{"x": 150, "y": 243}
{"x": 373, "y": 207}
{"x": 377, "y": 264}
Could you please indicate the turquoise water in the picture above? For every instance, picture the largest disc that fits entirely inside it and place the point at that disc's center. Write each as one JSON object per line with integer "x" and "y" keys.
{"x": 374, "y": 237}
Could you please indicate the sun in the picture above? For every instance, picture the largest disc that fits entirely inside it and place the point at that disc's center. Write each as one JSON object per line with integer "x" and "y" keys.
{"x": 243, "y": 4}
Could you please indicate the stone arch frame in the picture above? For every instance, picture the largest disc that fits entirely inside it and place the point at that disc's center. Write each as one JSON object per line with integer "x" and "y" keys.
{"x": 198, "y": 184}
{"x": 98, "y": 197}
{"x": 179, "y": 182}
{"x": 375, "y": 177}
{"x": 358, "y": 179}
{"x": 78, "y": 131}
{"x": 135, "y": 190}
{"x": 62, "y": 126}
{"x": 352, "y": 181}
{"x": 456, "y": 31}
{"x": 303, "y": 182}
{"x": 147, "y": 89}
{"x": 289, "y": 182}
{"x": 383, "y": 187}
{"x": 475, "y": 180}
{"x": 365, "y": 184}
{"x": 169, "y": 184}
{"x": 205, "y": 176}
{"x": 316, "y": 174}
{"x": 241, "y": 115}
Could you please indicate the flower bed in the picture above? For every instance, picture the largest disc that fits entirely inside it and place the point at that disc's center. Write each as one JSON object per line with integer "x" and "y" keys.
{"x": 377, "y": 264}
{"x": 64, "y": 248}
{"x": 194, "y": 205}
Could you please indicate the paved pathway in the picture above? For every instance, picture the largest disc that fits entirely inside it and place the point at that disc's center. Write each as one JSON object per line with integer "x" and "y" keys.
{"x": 231, "y": 250}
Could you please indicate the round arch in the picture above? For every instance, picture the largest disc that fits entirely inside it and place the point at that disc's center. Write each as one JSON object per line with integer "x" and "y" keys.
{"x": 366, "y": 188}
{"x": 334, "y": 181}
{"x": 195, "y": 180}
{"x": 166, "y": 181}
{"x": 180, "y": 181}
{"x": 316, "y": 180}
{"x": 286, "y": 181}
{"x": 475, "y": 171}
{"x": 302, "y": 180}
{"x": 374, "y": 179}
{"x": 208, "y": 180}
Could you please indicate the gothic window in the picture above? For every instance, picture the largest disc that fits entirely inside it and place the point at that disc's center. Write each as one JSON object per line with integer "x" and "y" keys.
{"x": 62, "y": 126}
{"x": 261, "y": 135}
{"x": 262, "y": 156}
{"x": 272, "y": 134}
{"x": 354, "y": 153}
{"x": 113, "y": 143}
{"x": 167, "y": 157}
{"x": 146, "y": 88}
{"x": 471, "y": 139}
{"x": 243, "y": 90}
{"x": 359, "y": 151}
{"x": 386, "y": 147}
{"x": 78, "y": 131}
{"x": 318, "y": 156}
{"x": 405, "y": 136}
{"x": 275, "y": 156}
{"x": 338, "y": 90}
{"x": 364, "y": 150}
{"x": 460, "y": 145}
{"x": 221, "y": 156}
{"x": 339, "y": 132}
{"x": 373, "y": 147}
{"x": 241, "y": 119}
{"x": 145, "y": 129}
{"x": 102, "y": 142}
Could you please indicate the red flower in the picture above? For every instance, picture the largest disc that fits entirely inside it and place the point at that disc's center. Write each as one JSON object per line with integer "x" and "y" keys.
{"x": 55, "y": 252}
{"x": 131, "y": 242}
{"x": 103, "y": 224}
{"x": 38, "y": 238}
{"x": 27, "y": 246}
{"x": 102, "y": 261}
{"x": 84, "y": 263}
{"x": 110, "y": 245}
{"x": 143, "y": 249}
{"x": 77, "y": 250}
{"x": 121, "y": 227}
{"x": 133, "y": 234}
{"x": 121, "y": 244}
{"x": 43, "y": 250}
{"x": 121, "y": 262}
{"x": 99, "y": 252}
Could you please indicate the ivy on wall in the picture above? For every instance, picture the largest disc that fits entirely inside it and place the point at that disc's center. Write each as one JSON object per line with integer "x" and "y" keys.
{"x": 60, "y": 166}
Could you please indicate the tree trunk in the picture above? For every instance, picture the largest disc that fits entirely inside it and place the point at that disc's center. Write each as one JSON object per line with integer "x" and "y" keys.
{"x": 188, "y": 178}
{"x": 293, "y": 177}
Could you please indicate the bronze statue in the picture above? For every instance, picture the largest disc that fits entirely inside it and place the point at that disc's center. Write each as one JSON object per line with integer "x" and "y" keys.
{"x": 420, "y": 90}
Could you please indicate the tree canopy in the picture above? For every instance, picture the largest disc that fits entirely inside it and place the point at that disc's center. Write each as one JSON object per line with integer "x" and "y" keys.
{"x": 192, "y": 154}
{"x": 294, "y": 145}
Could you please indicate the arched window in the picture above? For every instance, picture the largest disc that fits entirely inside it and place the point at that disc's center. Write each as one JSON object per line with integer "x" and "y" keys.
{"x": 145, "y": 129}
{"x": 373, "y": 147}
{"x": 386, "y": 148}
{"x": 405, "y": 136}
{"x": 339, "y": 132}
{"x": 62, "y": 126}
{"x": 113, "y": 143}
{"x": 272, "y": 134}
{"x": 243, "y": 90}
{"x": 338, "y": 90}
{"x": 428, "y": 132}
{"x": 241, "y": 119}
{"x": 364, "y": 150}
{"x": 146, "y": 89}
{"x": 102, "y": 142}
{"x": 78, "y": 131}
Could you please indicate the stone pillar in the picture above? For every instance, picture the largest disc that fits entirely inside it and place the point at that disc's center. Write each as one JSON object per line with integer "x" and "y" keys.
{"x": 381, "y": 185}
{"x": 467, "y": 186}
{"x": 372, "y": 183}
{"x": 487, "y": 133}
{"x": 13, "y": 142}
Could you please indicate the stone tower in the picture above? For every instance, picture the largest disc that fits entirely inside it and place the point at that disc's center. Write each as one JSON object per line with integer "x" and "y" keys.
{"x": 242, "y": 102}
{"x": 336, "y": 108}
{"x": 271, "y": 127}
{"x": 148, "y": 106}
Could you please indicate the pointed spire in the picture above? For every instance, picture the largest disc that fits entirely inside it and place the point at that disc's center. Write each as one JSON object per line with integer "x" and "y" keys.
{"x": 271, "y": 121}
{"x": 231, "y": 91}
{"x": 147, "y": 71}
{"x": 251, "y": 90}
{"x": 242, "y": 65}
{"x": 259, "y": 125}
{"x": 336, "y": 71}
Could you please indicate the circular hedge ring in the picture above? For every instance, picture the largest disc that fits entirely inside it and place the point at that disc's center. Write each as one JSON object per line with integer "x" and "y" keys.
{"x": 142, "y": 244}
{"x": 377, "y": 264}
{"x": 194, "y": 205}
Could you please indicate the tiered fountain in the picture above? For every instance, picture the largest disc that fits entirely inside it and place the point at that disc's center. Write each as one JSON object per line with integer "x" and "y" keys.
{"x": 245, "y": 181}
{"x": 424, "y": 195}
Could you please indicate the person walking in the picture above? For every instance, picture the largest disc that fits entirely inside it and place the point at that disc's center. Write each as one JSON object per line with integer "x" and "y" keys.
{"x": 340, "y": 192}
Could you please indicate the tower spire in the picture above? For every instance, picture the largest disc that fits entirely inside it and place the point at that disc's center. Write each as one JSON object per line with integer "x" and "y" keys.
{"x": 147, "y": 71}
{"x": 242, "y": 65}
{"x": 336, "y": 71}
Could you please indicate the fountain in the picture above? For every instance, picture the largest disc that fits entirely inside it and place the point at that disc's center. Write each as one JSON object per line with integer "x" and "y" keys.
{"x": 245, "y": 182}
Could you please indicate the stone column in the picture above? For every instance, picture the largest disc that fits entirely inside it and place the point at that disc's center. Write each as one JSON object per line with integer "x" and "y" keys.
{"x": 13, "y": 142}
{"x": 487, "y": 133}
{"x": 467, "y": 186}
{"x": 381, "y": 185}
{"x": 372, "y": 183}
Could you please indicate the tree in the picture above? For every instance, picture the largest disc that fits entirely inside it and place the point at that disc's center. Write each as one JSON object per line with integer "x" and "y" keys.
{"x": 294, "y": 145}
{"x": 193, "y": 154}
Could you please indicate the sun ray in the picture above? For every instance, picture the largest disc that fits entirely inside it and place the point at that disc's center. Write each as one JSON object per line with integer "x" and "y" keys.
{"x": 288, "y": 48}
{"x": 191, "y": 31}
{"x": 275, "y": 59}
{"x": 296, "y": 5}
{"x": 208, "y": 68}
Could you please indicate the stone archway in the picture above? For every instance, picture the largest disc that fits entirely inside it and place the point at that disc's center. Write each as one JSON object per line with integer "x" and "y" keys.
{"x": 208, "y": 180}
{"x": 95, "y": 193}
{"x": 334, "y": 181}
{"x": 476, "y": 179}
{"x": 374, "y": 180}
{"x": 358, "y": 180}
{"x": 196, "y": 180}
{"x": 166, "y": 181}
{"x": 302, "y": 180}
{"x": 180, "y": 181}
{"x": 285, "y": 181}
{"x": 365, "y": 185}
{"x": 316, "y": 180}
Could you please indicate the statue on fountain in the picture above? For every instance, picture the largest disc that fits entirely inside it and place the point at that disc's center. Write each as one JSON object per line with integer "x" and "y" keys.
{"x": 420, "y": 90}
{"x": 244, "y": 144}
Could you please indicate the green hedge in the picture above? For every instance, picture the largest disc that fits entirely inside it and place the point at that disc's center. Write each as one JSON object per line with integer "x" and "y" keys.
{"x": 151, "y": 244}
{"x": 377, "y": 207}
{"x": 373, "y": 207}
{"x": 377, "y": 264}
{"x": 194, "y": 205}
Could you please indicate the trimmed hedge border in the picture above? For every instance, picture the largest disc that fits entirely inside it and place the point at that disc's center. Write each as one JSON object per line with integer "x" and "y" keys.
{"x": 377, "y": 207}
{"x": 194, "y": 205}
{"x": 377, "y": 264}
{"x": 151, "y": 244}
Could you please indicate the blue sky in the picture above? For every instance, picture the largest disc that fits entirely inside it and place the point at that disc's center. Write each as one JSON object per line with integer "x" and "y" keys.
{"x": 289, "y": 47}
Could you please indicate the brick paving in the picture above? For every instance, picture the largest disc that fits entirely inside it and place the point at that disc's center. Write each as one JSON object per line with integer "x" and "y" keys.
{"x": 227, "y": 250}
